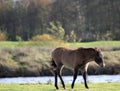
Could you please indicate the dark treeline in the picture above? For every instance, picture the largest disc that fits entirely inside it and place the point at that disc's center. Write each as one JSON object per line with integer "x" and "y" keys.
{"x": 79, "y": 20}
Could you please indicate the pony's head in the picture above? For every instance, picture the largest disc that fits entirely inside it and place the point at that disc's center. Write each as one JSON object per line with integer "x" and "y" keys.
{"x": 99, "y": 58}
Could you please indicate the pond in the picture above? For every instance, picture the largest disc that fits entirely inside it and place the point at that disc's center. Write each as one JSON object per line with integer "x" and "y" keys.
{"x": 67, "y": 79}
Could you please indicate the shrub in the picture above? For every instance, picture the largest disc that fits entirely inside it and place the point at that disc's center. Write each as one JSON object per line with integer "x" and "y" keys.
{"x": 2, "y": 36}
{"x": 71, "y": 37}
{"x": 18, "y": 38}
{"x": 57, "y": 30}
{"x": 44, "y": 37}
{"x": 45, "y": 40}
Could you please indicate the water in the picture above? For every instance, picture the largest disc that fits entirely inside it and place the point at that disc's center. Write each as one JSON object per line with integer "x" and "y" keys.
{"x": 67, "y": 79}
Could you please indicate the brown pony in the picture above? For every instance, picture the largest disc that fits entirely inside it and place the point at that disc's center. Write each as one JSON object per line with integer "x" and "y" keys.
{"x": 76, "y": 60}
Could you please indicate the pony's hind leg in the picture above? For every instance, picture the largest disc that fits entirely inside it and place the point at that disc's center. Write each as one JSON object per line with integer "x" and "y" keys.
{"x": 56, "y": 80}
{"x": 59, "y": 74}
{"x": 54, "y": 69}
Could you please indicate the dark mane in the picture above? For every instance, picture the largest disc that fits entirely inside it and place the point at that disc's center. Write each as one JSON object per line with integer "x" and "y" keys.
{"x": 86, "y": 49}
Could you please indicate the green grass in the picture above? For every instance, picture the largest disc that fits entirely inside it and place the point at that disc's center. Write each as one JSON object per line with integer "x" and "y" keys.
{"x": 43, "y": 44}
{"x": 10, "y": 44}
{"x": 50, "y": 87}
{"x": 95, "y": 44}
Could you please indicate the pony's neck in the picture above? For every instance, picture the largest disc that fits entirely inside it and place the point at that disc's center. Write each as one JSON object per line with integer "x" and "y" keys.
{"x": 90, "y": 54}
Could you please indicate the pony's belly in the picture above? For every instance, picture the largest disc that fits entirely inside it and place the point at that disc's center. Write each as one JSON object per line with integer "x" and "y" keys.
{"x": 69, "y": 65}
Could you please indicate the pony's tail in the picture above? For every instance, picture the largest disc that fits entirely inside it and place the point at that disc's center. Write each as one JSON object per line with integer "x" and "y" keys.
{"x": 53, "y": 66}
{"x": 53, "y": 63}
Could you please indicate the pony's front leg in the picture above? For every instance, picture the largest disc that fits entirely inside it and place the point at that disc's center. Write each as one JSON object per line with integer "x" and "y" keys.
{"x": 85, "y": 77}
{"x": 74, "y": 77}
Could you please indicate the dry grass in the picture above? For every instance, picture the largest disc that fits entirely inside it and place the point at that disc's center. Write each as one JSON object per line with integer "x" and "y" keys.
{"x": 25, "y": 61}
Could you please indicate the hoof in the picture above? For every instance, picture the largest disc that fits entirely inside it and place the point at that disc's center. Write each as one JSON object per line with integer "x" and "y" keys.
{"x": 87, "y": 87}
{"x": 72, "y": 87}
{"x": 56, "y": 87}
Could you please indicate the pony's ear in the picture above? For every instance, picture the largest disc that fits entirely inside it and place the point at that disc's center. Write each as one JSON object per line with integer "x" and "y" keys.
{"x": 97, "y": 49}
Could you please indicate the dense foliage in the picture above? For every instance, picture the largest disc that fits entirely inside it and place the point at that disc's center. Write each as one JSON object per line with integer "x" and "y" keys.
{"x": 71, "y": 20}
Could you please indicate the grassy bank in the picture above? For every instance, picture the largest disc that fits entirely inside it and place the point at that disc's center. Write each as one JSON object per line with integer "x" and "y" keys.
{"x": 50, "y": 87}
{"x": 10, "y": 44}
{"x": 32, "y": 58}
{"x": 96, "y": 44}
{"x": 42, "y": 44}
